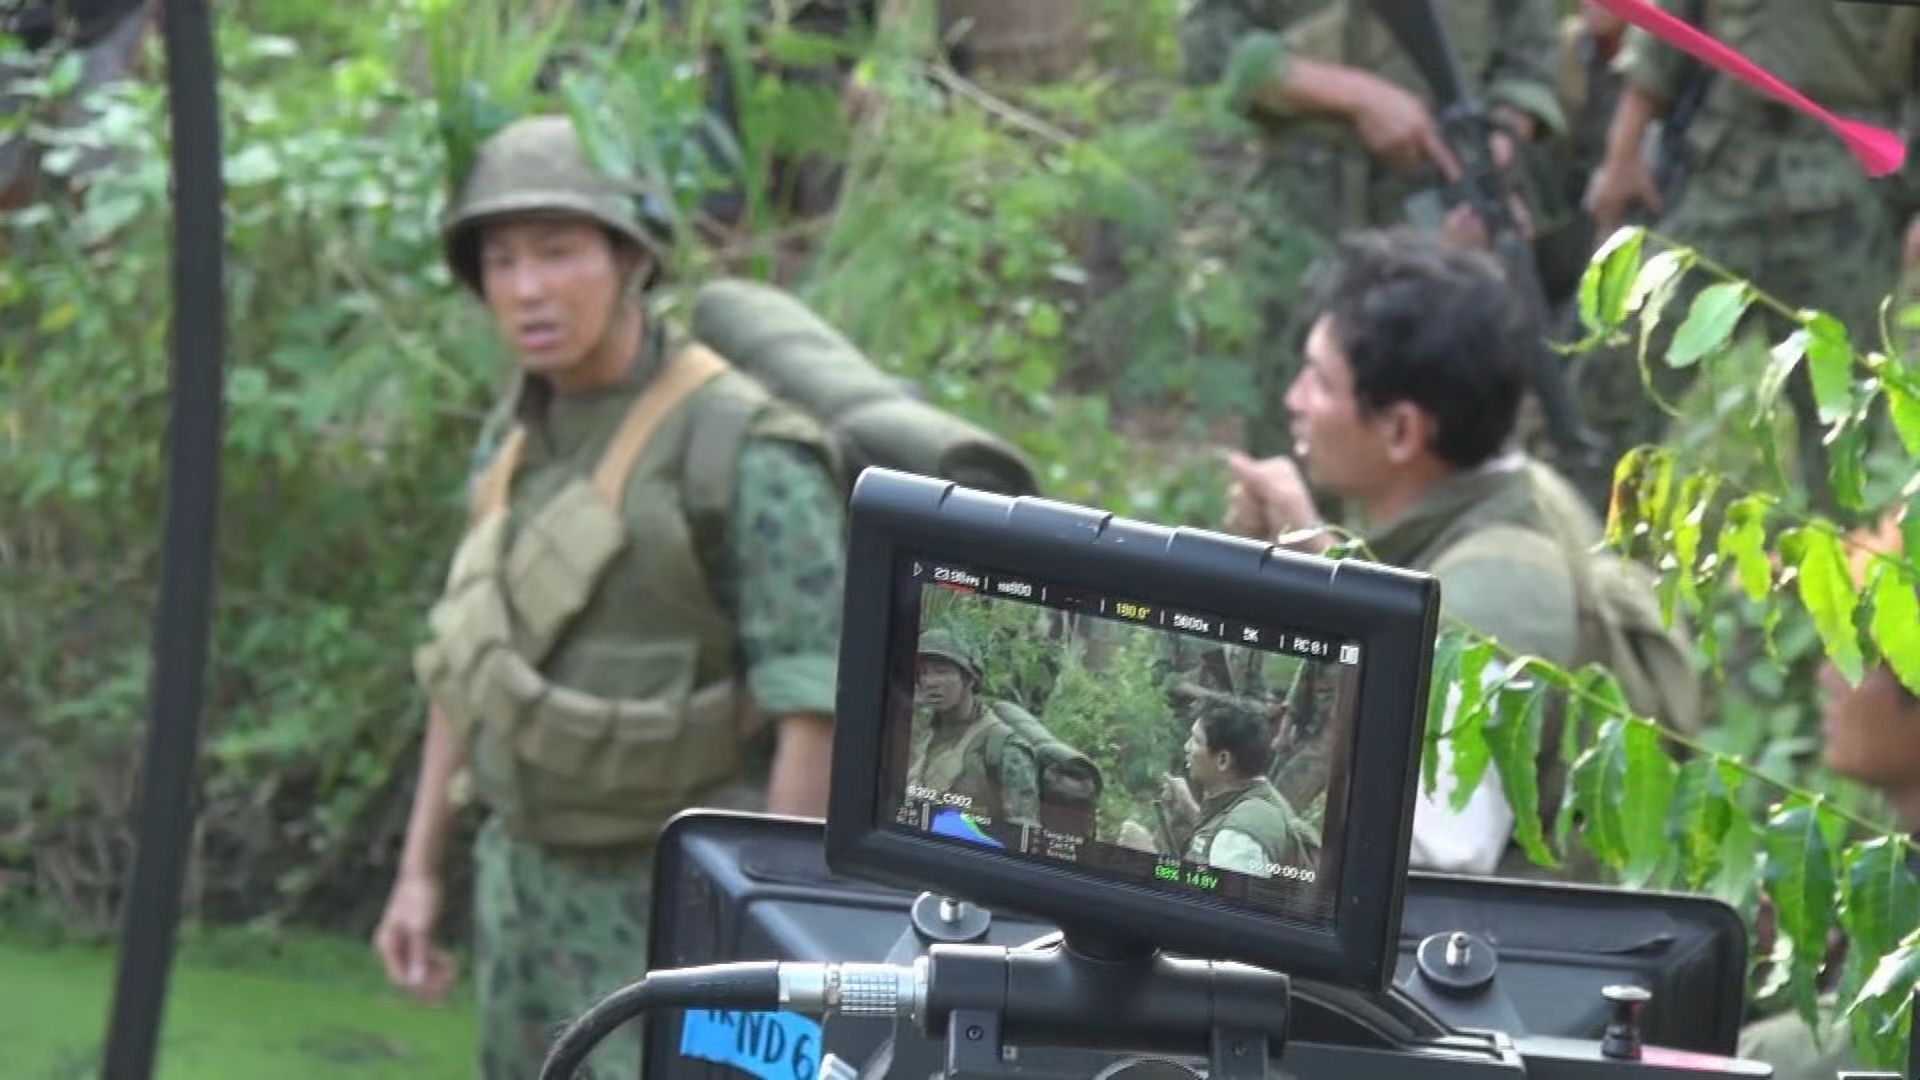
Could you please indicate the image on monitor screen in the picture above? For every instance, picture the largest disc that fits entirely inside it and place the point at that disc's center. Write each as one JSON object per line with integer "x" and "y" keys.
{"x": 1170, "y": 749}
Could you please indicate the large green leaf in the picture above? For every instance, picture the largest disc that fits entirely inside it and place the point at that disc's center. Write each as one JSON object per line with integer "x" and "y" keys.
{"x": 1595, "y": 694}
{"x": 1648, "y": 782}
{"x": 1826, "y": 588}
{"x": 1781, "y": 360}
{"x": 1609, "y": 278}
{"x": 1703, "y": 811}
{"x": 1598, "y": 783}
{"x": 1739, "y": 869}
{"x": 1847, "y": 462}
{"x": 1688, "y": 517}
{"x": 1882, "y": 905}
{"x": 1800, "y": 879}
{"x": 1743, "y": 546}
{"x": 1710, "y": 323}
{"x": 1896, "y": 623}
{"x": 1446, "y": 672}
{"x": 1513, "y": 737}
{"x": 1884, "y": 1007}
{"x": 1465, "y": 725}
{"x": 1905, "y": 409}
{"x": 1830, "y": 363}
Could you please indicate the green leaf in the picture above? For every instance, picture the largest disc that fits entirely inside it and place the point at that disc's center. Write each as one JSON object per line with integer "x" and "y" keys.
{"x": 1044, "y": 322}
{"x": 1905, "y": 410}
{"x": 1884, "y": 1006}
{"x": 1896, "y": 624}
{"x": 1703, "y": 811}
{"x": 1882, "y": 903}
{"x": 1743, "y": 543}
{"x": 1800, "y": 879}
{"x": 1826, "y": 588}
{"x": 1648, "y": 785}
{"x": 1595, "y": 693}
{"x": 1609, "y": 277}
{"x": 1513, "y": 737}
{"x": 1689, "y": 516}
{"x": 1847, "y": 464}
{"x": 1598, "y": 783}
{"x": 1446, "y": 672}
{"x": 1739, "y": 863}
{"x": 1830, "y": 363}
{"x": 1710, "y": 323}
{"x": 1661, "y": 277}
{"x": 1626, "y": 513}
{"x": 1781, "y": 360}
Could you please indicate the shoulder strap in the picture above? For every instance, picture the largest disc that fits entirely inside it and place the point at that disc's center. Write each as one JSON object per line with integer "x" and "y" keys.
{"x": 711, "y": 475}
{"x": 490, "y": 491}
{"x": 686, "y": 371}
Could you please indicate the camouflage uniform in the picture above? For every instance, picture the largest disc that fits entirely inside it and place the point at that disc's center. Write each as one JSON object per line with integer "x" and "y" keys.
{"x": 1773, "y": 195}
{"x": 1246, "y": 817}
{"x": 1317, "y": 180}
{"x": 983, "y": 759}
{"x": 590, "y": 720}
{"x": 1499, "y": 538}
{"x": 558, "y": 928}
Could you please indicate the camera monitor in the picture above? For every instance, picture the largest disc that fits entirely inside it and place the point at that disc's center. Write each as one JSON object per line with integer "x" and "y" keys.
{"x": 1149, "y": 736}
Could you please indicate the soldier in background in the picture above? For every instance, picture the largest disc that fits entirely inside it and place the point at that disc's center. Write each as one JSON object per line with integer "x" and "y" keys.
{"x": 1231, "y": 816}
{"x": 107, "y": 34}
{"x": 1774, "y": 196}
{"x": 1350, "y": 128}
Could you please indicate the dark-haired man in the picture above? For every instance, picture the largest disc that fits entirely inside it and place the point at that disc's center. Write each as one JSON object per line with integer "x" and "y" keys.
{"x": 1235, "y": 818}
{"x": 1416, "y": 363}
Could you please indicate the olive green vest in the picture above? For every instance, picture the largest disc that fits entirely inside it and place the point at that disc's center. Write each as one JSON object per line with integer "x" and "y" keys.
{"x": 577, "y": 648}
{"x": 1258, "y": 811}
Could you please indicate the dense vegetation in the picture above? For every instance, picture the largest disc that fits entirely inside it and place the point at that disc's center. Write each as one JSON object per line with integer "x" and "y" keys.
{"x": 1064, "y": 262}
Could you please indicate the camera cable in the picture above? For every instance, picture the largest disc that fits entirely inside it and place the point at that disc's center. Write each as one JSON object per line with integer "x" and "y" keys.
{"x": 849, "y": 989}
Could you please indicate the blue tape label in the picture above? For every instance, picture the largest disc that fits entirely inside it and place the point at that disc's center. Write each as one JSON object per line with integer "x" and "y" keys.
{"x": 768, "y": 1045}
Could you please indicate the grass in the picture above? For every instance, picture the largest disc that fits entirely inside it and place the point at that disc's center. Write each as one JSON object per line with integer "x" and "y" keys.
{"x": 240, "y": 1005}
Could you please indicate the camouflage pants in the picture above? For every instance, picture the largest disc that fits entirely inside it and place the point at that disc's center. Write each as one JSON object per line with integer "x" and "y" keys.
{"x": 555, "y": 932}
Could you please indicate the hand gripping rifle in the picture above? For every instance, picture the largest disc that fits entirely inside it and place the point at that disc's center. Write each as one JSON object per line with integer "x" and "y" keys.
{"x": 1467, "y": 126}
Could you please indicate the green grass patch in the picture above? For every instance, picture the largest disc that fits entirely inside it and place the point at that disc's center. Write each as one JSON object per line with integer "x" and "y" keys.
{"x": 241, "y": 1005}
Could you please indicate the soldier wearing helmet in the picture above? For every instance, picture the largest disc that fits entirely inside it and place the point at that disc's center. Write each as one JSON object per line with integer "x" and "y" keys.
{"x": 964, "y": 743}
{"x": 603, "y": 656}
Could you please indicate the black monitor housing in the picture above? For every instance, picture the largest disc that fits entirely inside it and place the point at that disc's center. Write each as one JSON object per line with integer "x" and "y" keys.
{"x": 920, "y": 547}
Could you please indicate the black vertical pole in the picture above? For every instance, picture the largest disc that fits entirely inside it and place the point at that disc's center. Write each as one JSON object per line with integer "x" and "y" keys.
{"x": 181, "y": 626}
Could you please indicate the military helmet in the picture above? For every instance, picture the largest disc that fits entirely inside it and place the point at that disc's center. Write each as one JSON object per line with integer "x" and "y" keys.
{"x": 944, "y": 645}
{"x": 538, "y": 164}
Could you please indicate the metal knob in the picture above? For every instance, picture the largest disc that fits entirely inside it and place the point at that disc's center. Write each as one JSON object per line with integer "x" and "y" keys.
{"x": 1624, "y": 1003}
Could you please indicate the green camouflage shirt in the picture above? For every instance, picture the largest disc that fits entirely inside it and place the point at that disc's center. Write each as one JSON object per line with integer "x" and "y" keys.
{"x": 1245, "y": 43}
{"x": 983, "y": 760}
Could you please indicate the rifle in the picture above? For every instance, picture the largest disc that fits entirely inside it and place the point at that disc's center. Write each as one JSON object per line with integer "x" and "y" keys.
{"x": 1467, "y": 126}
{"x": 1673, "y": 157}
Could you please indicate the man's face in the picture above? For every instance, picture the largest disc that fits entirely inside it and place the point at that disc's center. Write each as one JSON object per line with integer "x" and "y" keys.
{"x": 1872, "y": 730}
{"x": 1204, "y": 767}
{"x": 553, "y": 284}
{"x": 942, "y": 684}
{"x": 1343, "y": 450}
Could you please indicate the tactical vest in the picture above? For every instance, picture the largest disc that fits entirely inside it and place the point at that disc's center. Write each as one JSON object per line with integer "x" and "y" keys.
{"x": 588, "y": 726}
{"x": 1257, "y": 811}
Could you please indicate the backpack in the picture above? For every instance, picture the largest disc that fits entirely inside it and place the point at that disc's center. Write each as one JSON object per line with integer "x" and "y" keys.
{"x": 869, "y": 417}
{"x": 1621, "y": 627}
{"x": 1070, "y": 782}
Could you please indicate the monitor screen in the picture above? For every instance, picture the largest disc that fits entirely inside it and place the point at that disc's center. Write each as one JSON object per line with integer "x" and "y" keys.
{"x": 1159, "y": 744}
